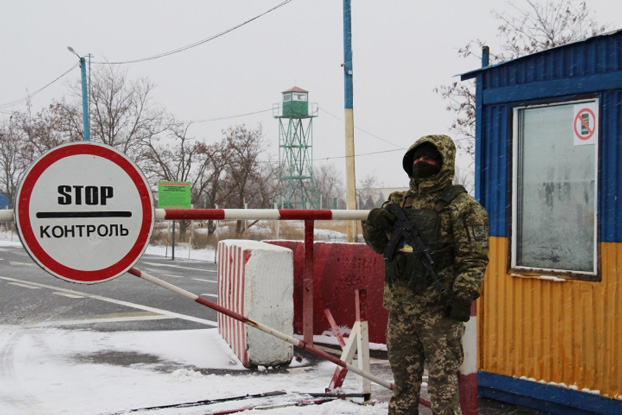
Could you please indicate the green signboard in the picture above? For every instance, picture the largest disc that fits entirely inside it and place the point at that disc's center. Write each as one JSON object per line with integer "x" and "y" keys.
{"x": 174, "y": 195}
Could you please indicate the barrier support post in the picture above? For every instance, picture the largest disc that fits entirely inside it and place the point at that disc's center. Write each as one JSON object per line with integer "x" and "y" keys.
{"x": 358, "y": 343}
{"x": 340, "y": 373}
{"x": 362, "y": 340}
{"x": 467, "y": 373}
{"x": 307, "y": 285}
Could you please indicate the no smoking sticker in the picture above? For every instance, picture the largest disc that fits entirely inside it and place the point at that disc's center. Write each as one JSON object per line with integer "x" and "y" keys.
{"x": 585, "y": 123}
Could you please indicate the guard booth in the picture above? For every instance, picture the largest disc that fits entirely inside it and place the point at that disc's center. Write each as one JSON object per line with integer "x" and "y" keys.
{"x": 549, "y": 173}
{"x": 296, "y": 103}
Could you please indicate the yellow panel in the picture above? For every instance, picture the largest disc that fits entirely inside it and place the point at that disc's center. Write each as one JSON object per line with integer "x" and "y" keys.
{"x": 566, "y": 332}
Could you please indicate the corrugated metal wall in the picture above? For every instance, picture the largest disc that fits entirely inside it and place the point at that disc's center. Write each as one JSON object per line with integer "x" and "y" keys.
{"x": 610, "y": 206}
{"x": 496, "y": 159}
{"x": 562, "y": 332}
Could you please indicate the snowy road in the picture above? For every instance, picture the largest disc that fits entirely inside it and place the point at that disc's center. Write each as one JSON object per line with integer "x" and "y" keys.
{"x": 66, "y": 349}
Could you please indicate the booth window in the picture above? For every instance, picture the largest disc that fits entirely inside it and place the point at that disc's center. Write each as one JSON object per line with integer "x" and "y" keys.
{"x": 554, "y": 223}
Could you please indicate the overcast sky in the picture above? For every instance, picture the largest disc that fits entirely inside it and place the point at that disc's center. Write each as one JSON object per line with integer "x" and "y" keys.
{"x": 402, "y": 50}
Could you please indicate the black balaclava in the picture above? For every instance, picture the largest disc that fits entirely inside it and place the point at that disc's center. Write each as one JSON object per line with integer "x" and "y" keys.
{"x": 426, "y": 161}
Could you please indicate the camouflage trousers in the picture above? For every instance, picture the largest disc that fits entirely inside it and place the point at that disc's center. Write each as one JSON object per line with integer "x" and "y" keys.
{"x": 414, "y": 339}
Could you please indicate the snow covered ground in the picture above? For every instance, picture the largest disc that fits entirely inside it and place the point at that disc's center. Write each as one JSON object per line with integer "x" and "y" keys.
{"x": 54, "y": 370}
{"x": 46, "y": 370}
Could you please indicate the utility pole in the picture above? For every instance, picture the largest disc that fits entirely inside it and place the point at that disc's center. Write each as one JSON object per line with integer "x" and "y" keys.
{"x": 349, "y": 116}
{"x": 85, "y": 104}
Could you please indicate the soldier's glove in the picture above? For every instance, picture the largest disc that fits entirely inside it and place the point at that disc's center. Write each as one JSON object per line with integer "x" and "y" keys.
{"x": 459, "y": 309}
{"x": 381, "y": 218}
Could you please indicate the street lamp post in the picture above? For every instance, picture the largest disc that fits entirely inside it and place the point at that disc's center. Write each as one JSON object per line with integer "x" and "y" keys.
{"x": 85, "y": 105}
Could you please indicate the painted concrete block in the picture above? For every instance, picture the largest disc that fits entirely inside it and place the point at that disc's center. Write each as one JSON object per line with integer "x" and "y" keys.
{"x": 255, "y": 279}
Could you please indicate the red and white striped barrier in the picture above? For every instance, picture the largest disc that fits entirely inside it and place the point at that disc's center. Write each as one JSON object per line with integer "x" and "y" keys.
{"x": 256, "y": 280}
{"x": 260, "y": 214}
{"x": 467, "y": 373}
{"x": 243, "y": 214}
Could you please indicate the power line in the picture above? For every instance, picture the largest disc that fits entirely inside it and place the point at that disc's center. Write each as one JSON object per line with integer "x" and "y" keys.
{"x": 24, "y": 99}
{"x": 228, "y": 117}
{"x": 359, "y": 155}
{"x": 399, "y": 148}
{"x": 161, "y": 55}
{"x": 195, "y": 44}
{"x": 316, "y": 159}
{"x": 364, "y": 131}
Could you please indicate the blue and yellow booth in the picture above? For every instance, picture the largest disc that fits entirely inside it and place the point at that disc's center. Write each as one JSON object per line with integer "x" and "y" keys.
{"x": 549, "y": 172}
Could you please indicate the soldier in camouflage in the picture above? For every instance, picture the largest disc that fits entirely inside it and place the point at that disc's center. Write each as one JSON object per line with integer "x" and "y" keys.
{"x": 425, "y": 325}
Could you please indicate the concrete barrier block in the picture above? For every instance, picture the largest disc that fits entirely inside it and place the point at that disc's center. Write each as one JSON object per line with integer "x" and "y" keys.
{"x": 255, "y": 279}
{"x": 339, "y": 269}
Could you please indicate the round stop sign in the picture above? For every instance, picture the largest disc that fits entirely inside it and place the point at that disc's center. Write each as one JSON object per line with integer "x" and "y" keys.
{"x": 84, "y": 212}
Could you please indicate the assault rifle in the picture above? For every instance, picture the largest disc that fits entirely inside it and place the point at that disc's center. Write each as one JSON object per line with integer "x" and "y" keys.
{"x": 403, "y": 230}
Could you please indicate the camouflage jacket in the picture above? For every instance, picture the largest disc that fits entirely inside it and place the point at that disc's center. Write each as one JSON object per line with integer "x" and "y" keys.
{"x": 462, "y": 228}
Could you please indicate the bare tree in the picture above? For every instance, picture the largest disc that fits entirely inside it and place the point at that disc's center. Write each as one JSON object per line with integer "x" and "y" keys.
{"x": 229, "y": 173}
{"x": 209, "y": 185}
{"x": 172, "y": 157}
{"x": 539, "y": 26}
{"x": 50, "y": 127}
{"x": 122, "y": 113}
{"x": 12, "y": 163}
{"x": 367, "y": 192}
{"x": 329, "y": 183}
{"x": 460, "y": 98}
{"x": 248, "y": 180}
{"x": 465, "y": 178}
{"x": 232, "y": 172}
{"x": 179, "y": 157}
{"x": 25, "y": 136}
{"x": 528, "y": 28}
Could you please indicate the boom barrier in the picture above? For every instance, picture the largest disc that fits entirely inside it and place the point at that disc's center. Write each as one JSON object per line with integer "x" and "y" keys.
{"x": 243, "y": 214}
{"x": 260, "y": 214}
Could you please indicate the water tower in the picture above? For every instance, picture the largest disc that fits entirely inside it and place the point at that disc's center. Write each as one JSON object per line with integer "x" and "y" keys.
{"x": 295, "y": 117}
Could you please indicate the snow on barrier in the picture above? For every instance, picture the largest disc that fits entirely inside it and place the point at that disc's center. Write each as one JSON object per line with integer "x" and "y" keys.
{"x": 256, "y": 280}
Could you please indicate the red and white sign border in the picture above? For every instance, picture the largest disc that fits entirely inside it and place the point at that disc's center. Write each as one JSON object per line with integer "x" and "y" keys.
{"x": 26, "y": 232}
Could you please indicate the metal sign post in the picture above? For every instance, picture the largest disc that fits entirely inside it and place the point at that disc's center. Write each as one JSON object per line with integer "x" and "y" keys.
{"x": 174, "y": 195}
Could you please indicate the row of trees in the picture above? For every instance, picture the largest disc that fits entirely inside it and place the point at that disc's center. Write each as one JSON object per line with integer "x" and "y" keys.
{"x": 232, "y": 171}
